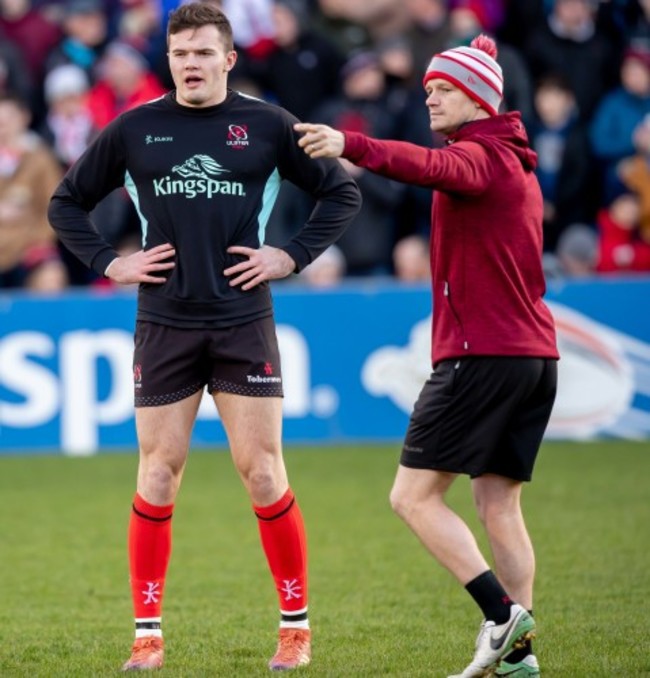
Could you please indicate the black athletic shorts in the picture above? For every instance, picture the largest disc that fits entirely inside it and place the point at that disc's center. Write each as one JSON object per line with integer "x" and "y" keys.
{"x": 482, "y": 415}
{"x": 171, "y": 363}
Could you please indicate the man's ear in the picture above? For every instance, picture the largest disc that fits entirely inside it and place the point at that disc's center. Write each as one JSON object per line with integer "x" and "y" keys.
{"x": 231, "y": 60}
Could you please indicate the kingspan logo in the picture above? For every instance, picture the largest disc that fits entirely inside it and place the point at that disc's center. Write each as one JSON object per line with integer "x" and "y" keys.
{"x": 198, "y": 177}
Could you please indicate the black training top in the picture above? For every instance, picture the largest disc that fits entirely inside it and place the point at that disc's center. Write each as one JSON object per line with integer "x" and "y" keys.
{"x": 202, "y": 179}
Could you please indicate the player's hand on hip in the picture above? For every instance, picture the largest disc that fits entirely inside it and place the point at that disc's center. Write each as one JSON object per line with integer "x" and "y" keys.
{"x": 265, "y": 263}
{"x": 320, "y": 141}
{"x": 142, "y": 266}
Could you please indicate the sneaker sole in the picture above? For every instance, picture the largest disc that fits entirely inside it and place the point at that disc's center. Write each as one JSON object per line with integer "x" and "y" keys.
{"x": 518, "y": 643}
{"x": 284, "y": 667}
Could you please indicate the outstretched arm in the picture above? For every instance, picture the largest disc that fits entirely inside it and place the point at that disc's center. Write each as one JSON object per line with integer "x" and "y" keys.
{"x": 462, "y": 167}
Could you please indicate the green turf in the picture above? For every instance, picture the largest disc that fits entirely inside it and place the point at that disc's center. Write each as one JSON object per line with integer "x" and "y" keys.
{"x": 379, "y": 605}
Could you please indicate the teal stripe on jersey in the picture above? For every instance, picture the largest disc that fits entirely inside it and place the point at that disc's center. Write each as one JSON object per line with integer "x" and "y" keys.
{"x": 270, "y": 195}
{"x": 129, "y": 184}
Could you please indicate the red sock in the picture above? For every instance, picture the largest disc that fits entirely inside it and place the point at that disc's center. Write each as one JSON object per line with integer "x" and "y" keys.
{"x": 150, "y": 545}
{"x": 284, "y": 542}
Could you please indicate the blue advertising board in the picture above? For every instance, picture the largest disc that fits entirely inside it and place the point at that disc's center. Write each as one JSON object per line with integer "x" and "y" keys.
{"x": 353, "y": 360}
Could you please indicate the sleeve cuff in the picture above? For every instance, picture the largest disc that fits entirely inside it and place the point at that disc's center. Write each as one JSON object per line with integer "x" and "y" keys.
{"x": 354, "y": 146}
{"x": 103, "y": 260}
{"x": 299, "y": 254}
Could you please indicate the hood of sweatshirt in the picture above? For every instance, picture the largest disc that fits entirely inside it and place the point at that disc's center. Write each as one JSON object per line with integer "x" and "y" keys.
{"x": 506, "y": 129}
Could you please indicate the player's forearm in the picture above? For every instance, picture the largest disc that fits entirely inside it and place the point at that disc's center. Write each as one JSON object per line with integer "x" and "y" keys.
{"x": 76, "y": 231}
{"x": 333, "y": 213}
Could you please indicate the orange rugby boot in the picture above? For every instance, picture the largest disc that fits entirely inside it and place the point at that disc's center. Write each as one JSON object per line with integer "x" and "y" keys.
{"x": 294, "y": 650}
{"x": 147, "y": 653}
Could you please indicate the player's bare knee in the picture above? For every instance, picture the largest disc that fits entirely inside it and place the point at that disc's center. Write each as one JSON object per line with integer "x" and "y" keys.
{"x": 261, "y": 482}
{"x": 401, "y": 503}
{"x": 160, "y": 477}
{"x": 495, "y": 514}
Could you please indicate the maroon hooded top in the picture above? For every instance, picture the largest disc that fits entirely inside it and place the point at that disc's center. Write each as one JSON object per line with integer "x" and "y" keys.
{"x": 486, "y": 236}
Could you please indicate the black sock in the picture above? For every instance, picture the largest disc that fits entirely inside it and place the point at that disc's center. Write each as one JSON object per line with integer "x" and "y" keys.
{"x": 491, "y": 597}
{"x": 518, "y": 654}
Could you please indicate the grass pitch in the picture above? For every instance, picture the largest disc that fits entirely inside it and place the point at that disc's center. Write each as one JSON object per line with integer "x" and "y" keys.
{"x": 379, "y": 605}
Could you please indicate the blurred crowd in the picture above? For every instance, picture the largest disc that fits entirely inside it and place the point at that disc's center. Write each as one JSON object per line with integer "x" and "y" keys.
{"x": 578, "y": 70}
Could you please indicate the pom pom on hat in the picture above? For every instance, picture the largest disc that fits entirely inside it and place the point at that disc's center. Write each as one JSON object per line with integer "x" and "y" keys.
{"x": 472, "y": 69}
{"x": 485, "y": 44}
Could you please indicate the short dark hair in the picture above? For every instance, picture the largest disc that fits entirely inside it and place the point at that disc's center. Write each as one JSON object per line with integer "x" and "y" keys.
{"x": 197, "y": 14}
{"x": 16, "y": 100}
{"x": 554, "y": 80}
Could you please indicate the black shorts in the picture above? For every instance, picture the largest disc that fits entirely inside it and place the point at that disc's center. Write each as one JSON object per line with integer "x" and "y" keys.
{"x": 171, "y": 363}
{"x": 482, "y": 415}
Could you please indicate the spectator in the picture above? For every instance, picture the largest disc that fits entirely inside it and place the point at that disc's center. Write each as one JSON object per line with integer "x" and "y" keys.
{"x": 140, "y": 24}
{"x": 428, "y": 31}
{"x": 568, "y": 42}
{"x": 617, "y": 20}
{"x": 14, "y": 75}
{"x": 635, "y": 174}
{"x": 565, "y": 167}
{"x": 490, "y": 13}
{"x": 631, "y": 21}
{"x": 29, "y": 173}
{"x": 347, "y": 33}
{"x": 30, "y": 32}
{"x": 125, "y": 81}
{"x": 68, "y": 126}
{"x": 617, "y": 116}
{"x": 396, "y": 61}
{"x": 621, "y": 247}
{"x": 33, "y": 35}
{"x": 577, "y": 251}
{"x": 85, "y": 34}
{"x": 380, "y": 18}
{"x": 368, "y": 243}
{"x": 411, "y": 259}
{"x": 327, "y": 271}
{"x": 522, "y": 18}
{"x": 364, "y": 95}
{"x": 303, "y": 69}
{"x": 252, "y": 23}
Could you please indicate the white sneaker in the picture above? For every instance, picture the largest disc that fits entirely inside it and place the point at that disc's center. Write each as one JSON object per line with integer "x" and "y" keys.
{"x": 495, "y": 641}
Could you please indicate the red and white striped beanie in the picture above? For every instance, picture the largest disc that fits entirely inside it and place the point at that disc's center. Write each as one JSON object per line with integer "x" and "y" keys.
{"x": 472, "y": 69}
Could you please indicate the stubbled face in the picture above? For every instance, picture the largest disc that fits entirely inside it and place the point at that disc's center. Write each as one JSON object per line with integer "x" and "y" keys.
{"x": 199, "y": 64}
{"x": 449, "y": 107}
